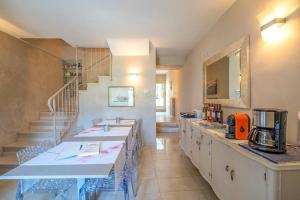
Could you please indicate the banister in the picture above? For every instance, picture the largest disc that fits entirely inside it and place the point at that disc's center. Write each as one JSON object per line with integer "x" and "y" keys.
{"x": 97, "y": 62}
{"x": 58, "y": 91}
{"x": 64, "y": 103}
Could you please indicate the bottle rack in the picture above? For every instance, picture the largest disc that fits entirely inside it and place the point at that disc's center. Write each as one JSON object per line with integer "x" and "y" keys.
{"x": 69, "y": 70}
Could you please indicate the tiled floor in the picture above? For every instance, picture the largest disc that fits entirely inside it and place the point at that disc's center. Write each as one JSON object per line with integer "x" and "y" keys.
{"x": 164, "y": 174}
{"x": 164, "y": 117}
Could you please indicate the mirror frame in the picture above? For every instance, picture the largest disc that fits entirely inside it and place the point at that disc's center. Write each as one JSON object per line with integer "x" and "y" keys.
{"x": 245, "y": 100}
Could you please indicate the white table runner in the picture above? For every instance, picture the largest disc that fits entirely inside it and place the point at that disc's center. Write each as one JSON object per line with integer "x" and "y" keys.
{"x": 99, "y": 132}
{"x": 108, "y": 154}
{"x": 113, "y": 122}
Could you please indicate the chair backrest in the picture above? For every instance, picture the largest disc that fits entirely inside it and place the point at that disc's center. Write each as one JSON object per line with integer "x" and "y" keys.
{"x": 137, "y": 131}
{"x": 76, "y": 130}
{"x": 32, "y": 151}
{"x": 96, "y": 121}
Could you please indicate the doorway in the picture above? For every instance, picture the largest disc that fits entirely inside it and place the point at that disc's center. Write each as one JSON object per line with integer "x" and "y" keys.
{"x": 166, "y": 94}
{"x": 161, "y": 92}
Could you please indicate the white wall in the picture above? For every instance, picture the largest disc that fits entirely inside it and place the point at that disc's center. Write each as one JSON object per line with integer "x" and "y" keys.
{"x": 172, "y": 82}
{"x": 275, "y": 66}
{"x": 94, "y": 102}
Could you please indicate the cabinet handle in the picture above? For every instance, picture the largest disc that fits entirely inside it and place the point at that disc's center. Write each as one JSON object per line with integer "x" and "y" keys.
{"x": 232, "y": 174}
{"x": 227, "y": 168}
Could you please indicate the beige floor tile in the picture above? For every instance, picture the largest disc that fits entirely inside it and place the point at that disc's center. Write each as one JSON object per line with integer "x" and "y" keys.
{"x": 147, "y": 186}
{"x": 177, "y": 184}
{"x": 168, "y": 164}
{"x": 193, "y": 171}
{"x": 146, "y": 173}
{"x": 184, "y": 195}
{"x": 175, "y": 173}
{"x": 8, "y": 190}
{"x": 149, "y": 196}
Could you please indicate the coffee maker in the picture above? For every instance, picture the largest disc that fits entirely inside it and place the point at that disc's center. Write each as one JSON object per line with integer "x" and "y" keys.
{"x": 269, "y": 130}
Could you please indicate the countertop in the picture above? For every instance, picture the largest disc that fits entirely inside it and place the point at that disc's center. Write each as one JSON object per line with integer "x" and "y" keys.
{"x": 219, "y": 135}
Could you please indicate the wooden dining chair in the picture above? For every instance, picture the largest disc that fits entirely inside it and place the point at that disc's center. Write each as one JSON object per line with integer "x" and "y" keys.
{"x": 138, "y": 134}
{"x": 54, "y": 187}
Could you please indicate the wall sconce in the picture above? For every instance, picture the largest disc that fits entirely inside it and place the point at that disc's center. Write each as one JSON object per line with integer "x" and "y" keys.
{"x": 275, "y": 22}
{"x": 272, "y": 32}
{"x": 134, "y": 76}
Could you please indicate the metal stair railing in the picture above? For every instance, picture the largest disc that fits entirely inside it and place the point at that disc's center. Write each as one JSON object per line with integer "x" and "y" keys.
{"x": 64, "y": 107}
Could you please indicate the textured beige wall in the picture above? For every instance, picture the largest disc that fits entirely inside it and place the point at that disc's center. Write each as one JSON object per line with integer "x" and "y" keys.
{"x": 275, "y": 66}
{"x": 94, "y": 101}
{"x": 56, "y": 47}
{"x": 28, "y": 77}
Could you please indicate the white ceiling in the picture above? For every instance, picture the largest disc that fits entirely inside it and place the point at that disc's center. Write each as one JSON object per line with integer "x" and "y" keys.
{"x": 128, "y": 47}
{"x": 173, "y": 26}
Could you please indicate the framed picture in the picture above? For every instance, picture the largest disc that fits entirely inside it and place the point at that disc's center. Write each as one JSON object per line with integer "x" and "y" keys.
{"x": 121, "y": 96}
{"x": 212, "y": 89}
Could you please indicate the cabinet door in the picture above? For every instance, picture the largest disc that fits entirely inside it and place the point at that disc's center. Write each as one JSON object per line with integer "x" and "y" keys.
{"x": 195, "y": 148}
{"x": 182, "y": 134}
{"x": 221, "y": 166}
{"x": 189, "y": 139}
{"x": 205, "y": 156}
{"x": 249, "y": 178}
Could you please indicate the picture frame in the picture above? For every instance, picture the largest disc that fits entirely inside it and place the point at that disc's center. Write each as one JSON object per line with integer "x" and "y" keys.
{"x": 121, "y": 96}
{"x": 212, "y": 89}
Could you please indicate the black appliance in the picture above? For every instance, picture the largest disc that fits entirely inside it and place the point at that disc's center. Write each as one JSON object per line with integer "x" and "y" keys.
{"x": 269, "y": 130}
{"x": 188, "y": 114}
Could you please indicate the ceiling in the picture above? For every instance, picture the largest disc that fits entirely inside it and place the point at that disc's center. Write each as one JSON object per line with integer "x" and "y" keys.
{"x": 173, "y": 26}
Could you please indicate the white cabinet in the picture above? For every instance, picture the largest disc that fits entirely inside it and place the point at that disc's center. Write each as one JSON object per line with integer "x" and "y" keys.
{"x": 201, "y": 152}
{"x": 221, "y": 161}
{"x": 235, "y": 173}
{"x": 182, "y": 135}
{"x": 205, "y": 156}
{"x": 189, "y": 139}
{"x": 250, "y": 178}
{"x": 236, "y": 177}
{"x": 186, "y": 137}
{"x": 196, "y": 148}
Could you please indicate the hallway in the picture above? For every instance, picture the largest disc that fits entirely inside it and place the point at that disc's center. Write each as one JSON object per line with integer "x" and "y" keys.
{"x": 165, "y": 174}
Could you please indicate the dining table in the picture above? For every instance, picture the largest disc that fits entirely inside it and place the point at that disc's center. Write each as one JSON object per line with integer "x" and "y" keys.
{"x": 115, "y": 123}
{"x": 98, "y": 133}
{"x": 113, "y": 149}
{"x": 113, "y": 143}
{"x": 48, "y": 165}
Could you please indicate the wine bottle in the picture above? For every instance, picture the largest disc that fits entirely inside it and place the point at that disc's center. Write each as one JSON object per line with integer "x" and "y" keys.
{"x": 208, "y": 112}
{"x": 220, "y": 114}
{"x": 215, "y": 119}
{"x": 204, "y": 111}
